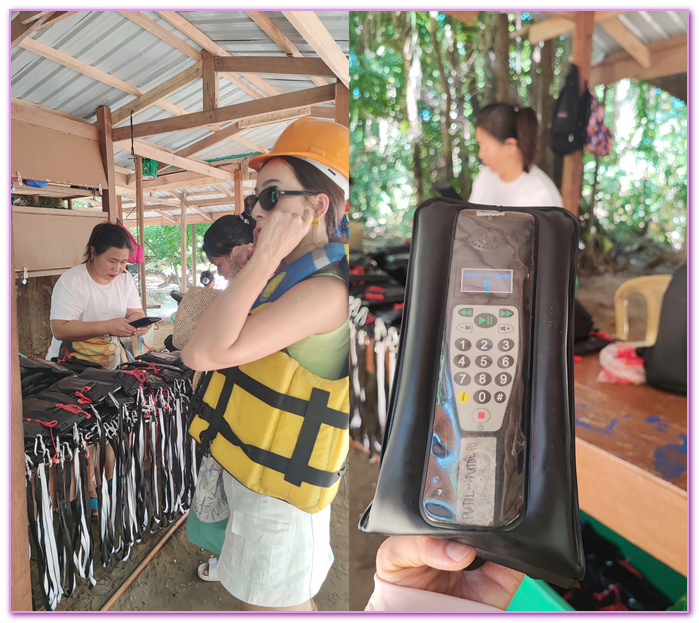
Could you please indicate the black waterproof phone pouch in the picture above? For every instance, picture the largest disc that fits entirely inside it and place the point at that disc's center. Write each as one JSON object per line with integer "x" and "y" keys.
{"x": 479, "y": 442}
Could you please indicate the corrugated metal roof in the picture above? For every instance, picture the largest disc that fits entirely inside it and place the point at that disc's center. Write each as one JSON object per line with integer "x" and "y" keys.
{"x": 109, "y": 42}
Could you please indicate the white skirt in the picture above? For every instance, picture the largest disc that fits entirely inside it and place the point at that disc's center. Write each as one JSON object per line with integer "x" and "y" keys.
{"x": 273, "y": 554}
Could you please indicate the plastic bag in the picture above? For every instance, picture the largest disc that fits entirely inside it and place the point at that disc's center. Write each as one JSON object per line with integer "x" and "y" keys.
{"x": 621, "y": 364}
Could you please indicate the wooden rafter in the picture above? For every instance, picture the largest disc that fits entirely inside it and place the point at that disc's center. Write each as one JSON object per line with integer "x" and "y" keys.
{"x": 316, "y": 95}
{"x": 627, "y": 40}
{"x": 287, "y": 65}
{"x": 316, "y": 34}
{"x": 668, "y": 57}
{"x": 91, "y": 72}
{"x": 201, "y": 39}
{"x": 562, "y": 24}
{"x": 155, "y": 152}
{"x": 162, "y": 213}
{"x": 152, "y": 97}
{"x": 272, "y": 31}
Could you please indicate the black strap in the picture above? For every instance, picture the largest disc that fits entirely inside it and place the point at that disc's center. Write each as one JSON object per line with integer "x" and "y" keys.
{"x": 40, "y": 551}
{"x": 277, "y": 462}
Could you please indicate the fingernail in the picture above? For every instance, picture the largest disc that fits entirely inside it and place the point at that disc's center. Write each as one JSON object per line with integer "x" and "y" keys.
{"x": 457, "y": 551}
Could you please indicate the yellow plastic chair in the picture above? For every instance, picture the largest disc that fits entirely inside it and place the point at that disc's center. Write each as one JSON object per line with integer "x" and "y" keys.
{"x": 651, "y": 288}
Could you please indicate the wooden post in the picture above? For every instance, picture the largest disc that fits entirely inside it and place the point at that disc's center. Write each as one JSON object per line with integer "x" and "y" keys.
{"x": 104, "y": 127}
{"x": 183, "y": 243}
{"x": 209, "y": 78}
{"x": 571, "y": 182}
{"x": 194, "y": 254}
{"x": 342, "y": 104}
{"x": 238, "y": 190}
{"x": 140, "y": 211}
{"x": 20, "y": 582}
{"x": 119, "y": 209}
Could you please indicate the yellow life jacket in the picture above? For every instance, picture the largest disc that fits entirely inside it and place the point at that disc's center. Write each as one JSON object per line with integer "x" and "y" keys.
{"x": 276, "y": 427}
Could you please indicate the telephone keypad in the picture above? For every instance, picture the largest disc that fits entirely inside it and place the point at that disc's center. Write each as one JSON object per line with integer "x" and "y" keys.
{"x": 484, "y": 379}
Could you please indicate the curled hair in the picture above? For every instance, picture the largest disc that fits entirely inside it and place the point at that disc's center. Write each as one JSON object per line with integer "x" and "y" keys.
{"x": 105, "y": 236}
{"x": 225, "y": 234}
{"x": 503, "y": 121}
{"x": 313, "y": 180}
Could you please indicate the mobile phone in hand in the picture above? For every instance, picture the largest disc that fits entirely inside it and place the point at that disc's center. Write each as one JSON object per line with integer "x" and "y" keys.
{"x": 144, "y": 322}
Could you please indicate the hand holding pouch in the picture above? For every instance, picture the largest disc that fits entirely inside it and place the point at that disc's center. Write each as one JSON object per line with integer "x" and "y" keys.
{"x": 479, "y": 443}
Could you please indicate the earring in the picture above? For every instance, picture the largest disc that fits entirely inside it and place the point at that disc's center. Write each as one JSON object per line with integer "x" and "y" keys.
{"x": 315, "y": 222}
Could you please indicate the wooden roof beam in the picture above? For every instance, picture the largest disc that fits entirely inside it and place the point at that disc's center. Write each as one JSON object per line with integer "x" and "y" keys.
{"x": 201, "y": 39}
{"x": 558, "y": 25}
{"x": 192, "y": 219}
{"x": 280, "y": 65}
{"x": 668, "y": 57}
{"x": 61, "y": 58}
{"x": 243, "y": 110}
{"x": 155, "y": 95}
{"x": 316, "y": 34}
{"x": 155, "y": 152}
{"x": 161, "y": 212}
{"x": 627, "y": 40}
{"x": 155, "y": 29}
{"x": 285, "y": 44}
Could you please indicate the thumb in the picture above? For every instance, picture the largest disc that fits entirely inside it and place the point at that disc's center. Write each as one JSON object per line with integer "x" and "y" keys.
{"x": 402, "y": 552}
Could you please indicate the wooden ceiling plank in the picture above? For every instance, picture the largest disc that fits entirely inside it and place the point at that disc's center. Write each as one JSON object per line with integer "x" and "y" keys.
{"x": 201, "y": 39}
{"x": 56, "y": 17}
{"x": 156, "y": 94}
{"x": 549, "y": 29}
{"x": 149, "y": 25}
{"x": 210, "y": 141}
{"x": 64, "y": 59}
{"x": 161, "y": 212}
{"x": 155, "y": 152}
{"x": 280, "y": 65}
{"x": 312, "y": 29}
{"x": 92, "y": 72}
{"x": 627, "y": 40}
{"x": 271, "y": 118}
{"x": 316, "y": 95}
{"x": 668, "y": 57}
{"x": 323, "y": 112}
{"x": 279, "y": 38}
{"x": 19, "y": 30}
{"x": 224, "y": 189}
{"x": 204, "y": 213}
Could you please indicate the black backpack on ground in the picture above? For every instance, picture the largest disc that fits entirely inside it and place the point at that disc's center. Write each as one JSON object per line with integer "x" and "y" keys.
{"x": 571, "y": 116}
{"x": 666, "y": 360}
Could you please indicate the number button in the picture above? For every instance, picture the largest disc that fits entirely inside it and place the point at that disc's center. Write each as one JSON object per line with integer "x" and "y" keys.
{"x": 500, "y": 397}
{"x": 461, "y": 361}
{"x": 483, "y": 361}
{"x": 482, "y": 378}
{"x": 484, "y": 344}
{"x": 461, "y": 378}
{"x": 502, "y": 379}
{"x": 462, "y": 344}
{"x": 505, "y": 361}
{"x": 506, "y": 345}
{"x": 481, "y": 397}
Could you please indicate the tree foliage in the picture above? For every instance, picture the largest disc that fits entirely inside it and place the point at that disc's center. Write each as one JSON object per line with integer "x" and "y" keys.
{"x": 419, "y": 77}
{"x": 163, "y": 247}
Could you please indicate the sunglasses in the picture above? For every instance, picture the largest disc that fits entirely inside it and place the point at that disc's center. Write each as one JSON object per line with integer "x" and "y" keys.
{"x": 269, "y": 197}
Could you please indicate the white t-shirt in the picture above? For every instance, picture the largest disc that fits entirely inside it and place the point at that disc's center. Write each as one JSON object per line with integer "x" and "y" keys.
{"x": 76, "y": 296}
{"x": 529, "y": 190}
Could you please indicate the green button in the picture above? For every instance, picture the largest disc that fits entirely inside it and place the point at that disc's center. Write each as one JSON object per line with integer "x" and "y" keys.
{"x": 506, "y": 313}
{"x": 466, "y": 312}
{"x": 486, "y": 320}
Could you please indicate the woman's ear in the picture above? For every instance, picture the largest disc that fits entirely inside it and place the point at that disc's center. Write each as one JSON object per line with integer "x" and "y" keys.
{"x": 322, "y": 204}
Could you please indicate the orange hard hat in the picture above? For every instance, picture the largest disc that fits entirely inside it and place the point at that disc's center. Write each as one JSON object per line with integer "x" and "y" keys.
{"x": 323, "y": 141}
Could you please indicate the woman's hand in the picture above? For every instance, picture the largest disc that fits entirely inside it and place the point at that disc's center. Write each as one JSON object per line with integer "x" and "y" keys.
{"x": 282, "y": 233}
{"x": 437, "y": 565}
{"x": 120, "y": 327}
{"x": 239, "y": 257}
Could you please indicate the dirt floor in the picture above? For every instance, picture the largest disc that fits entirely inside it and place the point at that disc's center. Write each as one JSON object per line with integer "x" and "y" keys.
{"x": 168, "y": 580}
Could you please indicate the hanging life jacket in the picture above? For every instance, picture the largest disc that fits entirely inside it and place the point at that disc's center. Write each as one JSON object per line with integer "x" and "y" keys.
{"x": 276, "y": 427}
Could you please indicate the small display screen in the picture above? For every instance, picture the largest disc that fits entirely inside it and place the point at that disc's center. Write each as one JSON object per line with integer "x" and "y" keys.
{"x": 486, "y": 280}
